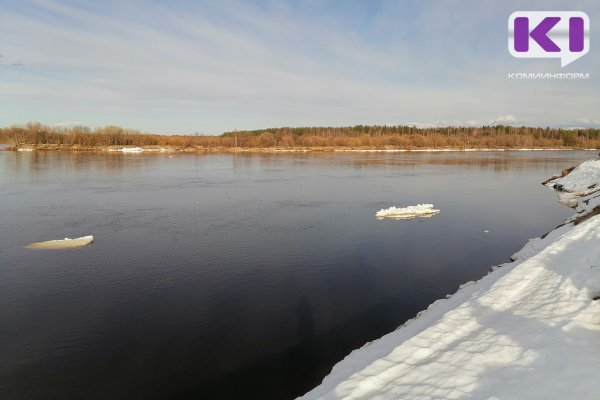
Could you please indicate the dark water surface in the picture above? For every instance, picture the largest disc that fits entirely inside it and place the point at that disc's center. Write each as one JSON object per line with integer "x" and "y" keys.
{"x": 228, "y": 276}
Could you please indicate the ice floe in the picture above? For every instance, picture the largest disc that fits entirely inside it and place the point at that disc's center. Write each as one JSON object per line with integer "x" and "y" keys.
{"x": 65, "y": 243}
{"x": 420, "y": 210}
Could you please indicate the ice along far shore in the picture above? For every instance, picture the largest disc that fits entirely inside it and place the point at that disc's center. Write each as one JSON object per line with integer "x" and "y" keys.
{"x": 527, "y": 330}
{"x": 28, "y": 147}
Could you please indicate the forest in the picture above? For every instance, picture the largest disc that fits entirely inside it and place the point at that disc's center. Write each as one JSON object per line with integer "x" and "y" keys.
{"x": 359, "y": 137}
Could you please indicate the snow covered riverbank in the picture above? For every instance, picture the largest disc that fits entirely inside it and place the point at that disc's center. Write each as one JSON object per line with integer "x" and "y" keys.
{"x": 528, "y": 330}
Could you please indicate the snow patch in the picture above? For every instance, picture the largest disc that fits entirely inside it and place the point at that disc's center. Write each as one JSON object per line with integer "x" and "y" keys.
{"x": 290, "y": 150}
{"x": 446, "y": 150}
{"x": 128, "y": 150}
{"x": 585, "y": 178}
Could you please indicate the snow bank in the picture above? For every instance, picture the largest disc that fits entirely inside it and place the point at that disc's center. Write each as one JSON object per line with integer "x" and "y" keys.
{"x": 65, "y": 243}
{"x": 420, "y": 210}
{"x": 581, "y": 181}
{"x": 529, "y": 330}
{"x": 585, "y": 177}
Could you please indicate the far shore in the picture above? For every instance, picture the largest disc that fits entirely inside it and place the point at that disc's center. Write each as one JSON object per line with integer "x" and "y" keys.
{"x": 224, "y": 149}
{"x": 359, "y": 138}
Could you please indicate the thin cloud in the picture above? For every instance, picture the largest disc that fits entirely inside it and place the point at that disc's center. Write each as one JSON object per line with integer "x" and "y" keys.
{"x": 68, "y": 124}
{"x": 507, "y": 119}
{"x": 588, "y": 121}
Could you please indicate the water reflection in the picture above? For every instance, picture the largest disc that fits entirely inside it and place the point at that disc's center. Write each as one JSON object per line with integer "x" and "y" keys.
{"x": 274, "y": 162}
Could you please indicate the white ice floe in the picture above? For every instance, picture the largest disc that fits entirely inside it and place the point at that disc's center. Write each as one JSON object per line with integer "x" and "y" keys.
{"x": 420, "y": 210}
{"x": 528, "y": 330}
{"x": 65, "y": 243}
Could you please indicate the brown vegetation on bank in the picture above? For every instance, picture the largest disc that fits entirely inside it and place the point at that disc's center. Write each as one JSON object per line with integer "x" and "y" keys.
{"x": 357, "y": 137}
{"x": 595, "y": 211}
{"x": 563, "y": 173}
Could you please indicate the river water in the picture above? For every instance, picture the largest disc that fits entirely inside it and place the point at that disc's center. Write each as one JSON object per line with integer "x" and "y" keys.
{"x": 240, "y": 275}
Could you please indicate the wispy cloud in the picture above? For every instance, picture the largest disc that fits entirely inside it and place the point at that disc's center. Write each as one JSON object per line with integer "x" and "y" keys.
{"x": 507, "y": 119}
{"x": 214, "y": 66}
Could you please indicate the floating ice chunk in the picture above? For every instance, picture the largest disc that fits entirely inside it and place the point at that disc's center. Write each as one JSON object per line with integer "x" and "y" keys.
{"x": 131, "y": 150}
{"x": 65, "y": 243}
{"x": 420, "y": 210}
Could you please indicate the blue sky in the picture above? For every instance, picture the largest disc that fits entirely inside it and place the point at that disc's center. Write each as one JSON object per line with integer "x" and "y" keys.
{"x": 214, "y": 66}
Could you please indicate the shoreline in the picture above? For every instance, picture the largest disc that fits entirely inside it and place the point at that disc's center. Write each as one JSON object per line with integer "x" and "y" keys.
{"x": 220, "y": 149}
{"x": 509, "y": 334}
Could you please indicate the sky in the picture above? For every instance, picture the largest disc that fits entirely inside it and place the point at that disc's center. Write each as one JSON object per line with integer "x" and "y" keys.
{"x": 215, "y": 66}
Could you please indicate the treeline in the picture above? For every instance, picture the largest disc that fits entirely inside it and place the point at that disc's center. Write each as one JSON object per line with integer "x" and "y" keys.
{"x": 378, "y": 137}
{"x": 39, "y": 134}
{"x": 409, "y": 137}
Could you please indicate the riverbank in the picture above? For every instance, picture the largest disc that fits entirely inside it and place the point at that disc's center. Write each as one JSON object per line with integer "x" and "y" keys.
{"x": 529, "y": 329}
{"x": 224, "y": 149}
{"x": 359, "y": 137}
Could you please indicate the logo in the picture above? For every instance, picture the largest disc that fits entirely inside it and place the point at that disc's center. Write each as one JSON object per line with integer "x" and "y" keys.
{"x": 549, "y": 34}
